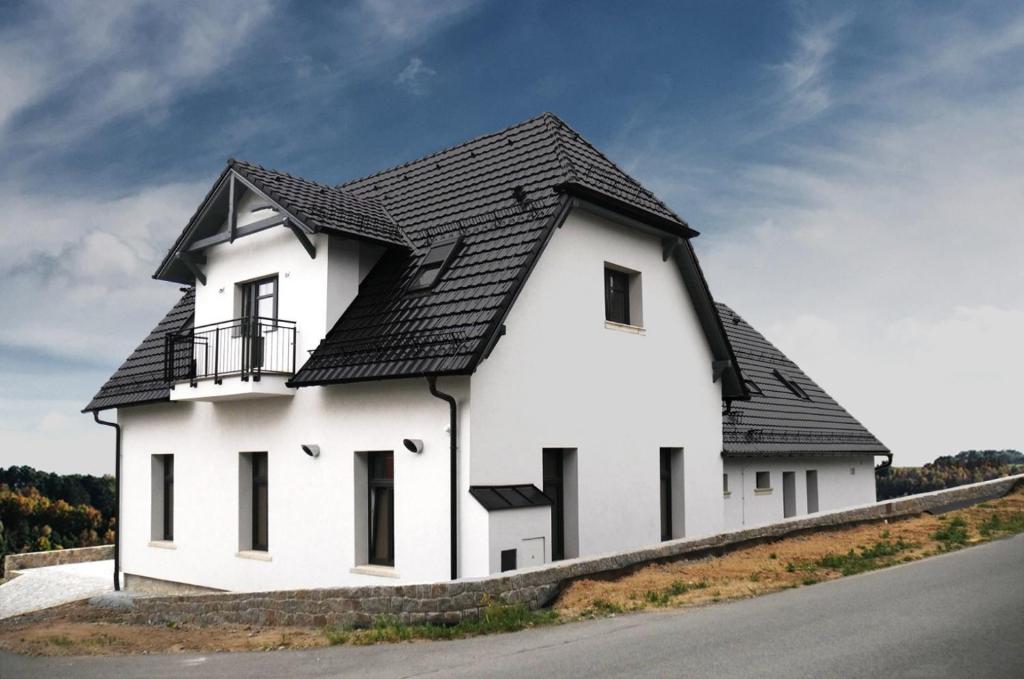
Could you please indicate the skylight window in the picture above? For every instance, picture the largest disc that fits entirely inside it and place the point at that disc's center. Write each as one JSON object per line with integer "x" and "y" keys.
{"x": 434, "y": 264}
{"x": 797, "y": 390}
{"x": 752, "y": 387}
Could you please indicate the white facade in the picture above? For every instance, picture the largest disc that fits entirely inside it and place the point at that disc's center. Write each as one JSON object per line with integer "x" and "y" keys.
{"x": 840, "y": 482}
{"x": 561, "y": 377}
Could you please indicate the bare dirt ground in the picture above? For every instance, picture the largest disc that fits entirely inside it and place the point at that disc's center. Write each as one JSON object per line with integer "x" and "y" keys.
{"x": 796, "y": 561}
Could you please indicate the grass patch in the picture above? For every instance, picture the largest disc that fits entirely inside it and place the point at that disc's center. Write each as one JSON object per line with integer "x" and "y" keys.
{"x": 1000, "y": 525}
{"x": 870, "y": 558}
{"x": 496, "y": 618}
{"x": 953, "y": 533}
{"x": 60, "y": 640}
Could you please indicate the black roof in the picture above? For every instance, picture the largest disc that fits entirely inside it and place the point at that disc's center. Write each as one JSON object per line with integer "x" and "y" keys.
{"x": 778, "y": 420}
{"x": 494, "y": 498}
{"x": 503, "y": 194}
{"x": 140, "y": 379}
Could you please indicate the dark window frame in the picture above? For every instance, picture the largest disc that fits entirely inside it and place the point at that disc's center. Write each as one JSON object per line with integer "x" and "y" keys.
{"x": 554, "y": 487}
{"x": 616, "y": 295}
{"x": 168, "y": 497}
{"x": 260, "y": 481}
{"x": 376, "y": 482}
{"x": 665, "y": 469}
{"x": 757, "y": 480}
{"x": 791, "y": 384}
{"x": 725, "y": 483}
{"x": 435, "y": 263}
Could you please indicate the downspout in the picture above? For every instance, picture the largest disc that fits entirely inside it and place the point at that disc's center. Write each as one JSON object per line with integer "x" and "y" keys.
{"x": 117, "y": 497}
{"x": 453, "y": 428}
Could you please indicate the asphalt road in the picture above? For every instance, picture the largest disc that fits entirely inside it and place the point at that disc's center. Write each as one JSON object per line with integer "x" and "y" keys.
{"x": 958, "y": 615}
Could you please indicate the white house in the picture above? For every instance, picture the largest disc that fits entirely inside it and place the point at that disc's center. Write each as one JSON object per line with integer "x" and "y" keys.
{"x": 490, "y": 358}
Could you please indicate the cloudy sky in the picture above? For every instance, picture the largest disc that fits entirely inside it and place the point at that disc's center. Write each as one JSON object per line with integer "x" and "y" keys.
{"x": 857, "y": 173}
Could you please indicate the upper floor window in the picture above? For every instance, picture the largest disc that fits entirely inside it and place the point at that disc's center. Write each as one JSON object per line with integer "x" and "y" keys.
{"x": 439, "y": 256}
{"x": 259, "y": 298}
{"x": 622, "y": 302}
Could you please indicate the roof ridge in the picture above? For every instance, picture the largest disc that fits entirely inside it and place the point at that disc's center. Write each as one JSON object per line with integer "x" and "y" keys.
{"x": 650, "y": 194}
{"x": 447, "y": 149}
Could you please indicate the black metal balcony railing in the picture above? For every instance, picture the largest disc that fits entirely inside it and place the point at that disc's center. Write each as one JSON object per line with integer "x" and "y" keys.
{"x": 246, "y": 347}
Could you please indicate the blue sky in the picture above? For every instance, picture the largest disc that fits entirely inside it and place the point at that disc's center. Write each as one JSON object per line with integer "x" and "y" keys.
{"x": 856, "y": 171}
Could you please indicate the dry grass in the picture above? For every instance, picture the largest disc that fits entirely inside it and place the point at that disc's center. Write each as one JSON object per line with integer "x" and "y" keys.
{"x": 793, "y": 561}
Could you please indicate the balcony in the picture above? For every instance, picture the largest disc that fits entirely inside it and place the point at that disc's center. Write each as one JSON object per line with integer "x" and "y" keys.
{"x": 236, "y": 359}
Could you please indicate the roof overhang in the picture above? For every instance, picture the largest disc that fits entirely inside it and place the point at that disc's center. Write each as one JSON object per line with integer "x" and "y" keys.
{"x": 600, "y": 201}
{"x": 806, "y": 453}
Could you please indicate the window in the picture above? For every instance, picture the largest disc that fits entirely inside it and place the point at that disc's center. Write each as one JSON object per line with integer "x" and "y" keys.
{"x": 259, "y": 502}
{"x": 435, "y": 263}
{"x": 752, "y": 387}
{"x": 508, "y": 560}
{"x": 622, "y": 301}
{"x": 763, "y": 481}
{"x": 253, "y": 502}
{"x": 259, "y": 299}
{"x": 797, "y": 390}
{"x": 554, "y": 488}
{"x": 381, "y": 512}
{"x": 665, "y": 464}
{"x": 616, "y": 296}
{"x": 725, "y": 484}
{"x": 162, "y": 524}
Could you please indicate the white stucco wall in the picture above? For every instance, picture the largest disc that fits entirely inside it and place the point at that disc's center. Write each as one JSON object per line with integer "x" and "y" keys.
{"x": 561, "y": 378}
{"x": 312, "y": 532}
{"x": 837, "y": 487}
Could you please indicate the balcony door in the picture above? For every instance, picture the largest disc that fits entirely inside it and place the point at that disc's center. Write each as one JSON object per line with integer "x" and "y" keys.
{"x": 257, "y": 316}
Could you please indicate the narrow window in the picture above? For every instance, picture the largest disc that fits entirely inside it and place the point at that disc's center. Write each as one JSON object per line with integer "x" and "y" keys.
{"x": 812, "y": 491}
{"x": 162, "y": 492}
{"x": 168, "y": 522}
{"x": 439, "y": 256}
{"x": 259, "y": 502}
{"x": 725, "y": 484}
{"x": 381, "y": 493}
{"x": 508, "y": 560}
{"x": 554, "y": 488}
{"x": 666, "y": 493}
{"x": 616, "y": 296}
{"x": 763, "y": 481}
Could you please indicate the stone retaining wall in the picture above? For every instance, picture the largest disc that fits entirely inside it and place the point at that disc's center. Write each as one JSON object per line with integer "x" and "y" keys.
{"x": 450, "y": 602}
{"x": 56, "y": 557}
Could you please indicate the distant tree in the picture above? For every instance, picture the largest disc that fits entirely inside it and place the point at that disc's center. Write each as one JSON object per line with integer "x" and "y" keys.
{"x": 947, "y": 471}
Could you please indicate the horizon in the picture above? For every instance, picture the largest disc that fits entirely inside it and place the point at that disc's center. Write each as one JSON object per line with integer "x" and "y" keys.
{"x": 854, "y": 173}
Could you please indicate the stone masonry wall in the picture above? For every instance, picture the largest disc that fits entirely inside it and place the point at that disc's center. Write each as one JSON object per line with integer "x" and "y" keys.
{"x": 56, "y": 557}
{"x": 450, "y": 602}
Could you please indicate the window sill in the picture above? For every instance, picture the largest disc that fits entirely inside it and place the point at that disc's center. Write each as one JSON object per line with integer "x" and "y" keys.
{"x": 163, "y": 544}
{"x": 254, "y": 555}
{"x": 762, "y": 491}
{"x": 623, "y": 327}
{"x": 727, "y": 493}
{"x": 378, "y": 571}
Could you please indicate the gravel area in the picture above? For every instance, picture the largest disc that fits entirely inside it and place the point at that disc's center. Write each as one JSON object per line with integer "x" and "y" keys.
{"x": 38, "y": 588}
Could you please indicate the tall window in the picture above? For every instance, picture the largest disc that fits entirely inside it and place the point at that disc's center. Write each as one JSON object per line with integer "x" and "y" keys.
{"x": 666, "y": 493}
{"x": 162, "y": 508}
{"x": 382, "y": 507}
{"x": 259, "y": 502}
{"x": 259, "y": 298}
{"x": 554, "y": 488}
{"x": 168, "y": 479}
{"x": 616, "y": 296}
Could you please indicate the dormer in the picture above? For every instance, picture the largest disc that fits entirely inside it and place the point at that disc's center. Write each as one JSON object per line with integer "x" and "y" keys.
{"x": 275, "y": 261}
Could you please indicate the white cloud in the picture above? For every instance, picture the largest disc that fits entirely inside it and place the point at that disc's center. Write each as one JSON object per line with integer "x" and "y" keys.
{"x": 414, "y": 77}
{"x": 104, "y": 61}
{"x": 882, "y": 249}
{"x": 805, "y": 89}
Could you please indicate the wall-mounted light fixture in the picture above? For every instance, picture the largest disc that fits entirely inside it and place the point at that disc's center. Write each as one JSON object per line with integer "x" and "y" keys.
{"x": 311, "y": 449}
{"x": 413, "y": 445}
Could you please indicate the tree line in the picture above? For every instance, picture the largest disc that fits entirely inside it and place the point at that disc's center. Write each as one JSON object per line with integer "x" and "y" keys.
{"x": 948, "y": 471}
{"x": 40, "y": 510}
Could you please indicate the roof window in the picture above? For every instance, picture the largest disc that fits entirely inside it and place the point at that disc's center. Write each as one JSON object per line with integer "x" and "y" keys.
{"x": 439, "y": 256}
{"x": 797, "y": 390}
{"x": 752, "y": 387}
